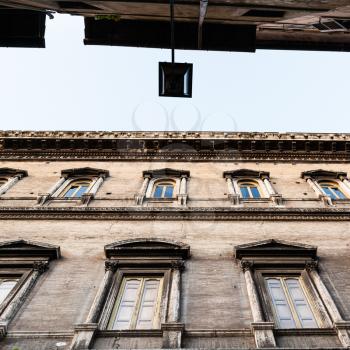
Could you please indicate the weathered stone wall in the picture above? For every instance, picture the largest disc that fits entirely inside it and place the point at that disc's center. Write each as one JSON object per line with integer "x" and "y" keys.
{"x": 214, "y": 295}
{"x": 206, "y": 186}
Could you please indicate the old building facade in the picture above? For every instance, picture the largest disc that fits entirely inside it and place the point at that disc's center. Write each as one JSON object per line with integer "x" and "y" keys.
{"x": 117, "y": 240}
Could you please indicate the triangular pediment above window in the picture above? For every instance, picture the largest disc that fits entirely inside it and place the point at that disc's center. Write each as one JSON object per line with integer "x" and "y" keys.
{"x": 166, "y": 172}
{"x": 13, "y": 172}
{"x": 147, "y": 248}
{"x": 24, "y": 248}
{"x": 323, "y": 173}
{"x": 275, "y": 248}
{"x": 246, "y": 173}
{"x": 84, "y": 172}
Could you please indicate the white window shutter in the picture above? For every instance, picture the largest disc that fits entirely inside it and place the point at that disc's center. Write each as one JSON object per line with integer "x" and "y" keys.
{"x": 127, "y": 304}
{"x": 148, "y": 304}
{"x": 280, "y": 303}
{"x": 5, "y": 288}
{"x": 300, "y": 303}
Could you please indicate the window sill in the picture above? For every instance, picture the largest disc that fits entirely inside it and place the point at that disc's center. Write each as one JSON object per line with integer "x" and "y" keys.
{"x": 130, "y": 333}
{"x": 160, "y": 200}
{"x": 306, "y": 331}
{"x": 255, "y": 200}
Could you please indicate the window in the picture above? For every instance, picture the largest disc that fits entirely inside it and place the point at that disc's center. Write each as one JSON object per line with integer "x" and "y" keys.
{"x": 76, "y": 189}
{"x": 6, "y": 286}
{"x": 9, "y": 177}
{"x": 78, "y": 185}
{"x": 137, "y": 305}
{"x": 141, "y": 290}
{"x": 285, "y": 290}
{"x": 249, "y": 189}
{"x": 332, "y": 190}
{"x": 289, "y": 302}
{"x": 21, "y": 264}
{"x": 163, "y": 190}
{"x": 165, "y": 184}
{"x": 246, "y": 186}
{"x": 329, "y": 186}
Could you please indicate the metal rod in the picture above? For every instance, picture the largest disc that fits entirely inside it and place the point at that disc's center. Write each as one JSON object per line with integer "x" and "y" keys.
{"x": 172, "y": 31}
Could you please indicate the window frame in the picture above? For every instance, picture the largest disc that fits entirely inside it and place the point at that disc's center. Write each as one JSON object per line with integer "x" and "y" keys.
{"x": 137, "y": 309}
{"x": 71, "y": 183}
{"x": 332, "y": 183}
{"x": 165, "y": 183}
{"x": 115, "y": 290}
{"x": 21, "y": 274}
{"x": 314, "y": 301}
{"x": 250, "y": 183}
{"x": 25, "y": 260}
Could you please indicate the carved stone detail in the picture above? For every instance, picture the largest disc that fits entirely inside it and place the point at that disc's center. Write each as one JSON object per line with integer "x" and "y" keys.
{"x": 179, "y": 213}
{"x": 111, "y": 265}
{"x": 40, "y": 266}
{"x": 246, "y": 265}
{"x": 178, "y": 265}
{"x": 311, "y": 265}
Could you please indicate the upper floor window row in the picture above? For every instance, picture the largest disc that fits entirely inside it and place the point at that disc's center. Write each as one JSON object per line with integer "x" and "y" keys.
{"x": 243, "y": 185}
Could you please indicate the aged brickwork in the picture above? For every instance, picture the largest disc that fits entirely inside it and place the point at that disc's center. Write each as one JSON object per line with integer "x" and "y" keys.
{"x": 208, "y": 301}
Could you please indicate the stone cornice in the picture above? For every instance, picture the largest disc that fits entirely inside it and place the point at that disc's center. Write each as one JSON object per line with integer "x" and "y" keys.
{"x": 173, "y": 146}
{"x": 202, "y": 213}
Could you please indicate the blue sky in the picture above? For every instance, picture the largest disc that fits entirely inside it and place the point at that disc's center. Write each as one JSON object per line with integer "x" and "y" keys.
{"x": 69, "y": 86}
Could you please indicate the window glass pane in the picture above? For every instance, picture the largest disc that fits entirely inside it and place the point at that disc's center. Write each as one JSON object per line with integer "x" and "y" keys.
{"x": 5, "y": 288}
{"x": 280, "y": 303}
{"x": 339, "y": 193}
{"x": 169, "y": 191}
{"x": 255, "y": 192}
{"x": 158, "y": 192}
{"x": 328, "y": 192}
{"x": 300, "y": 303}
{"x": 127, "y": 304}
{"x": 71, "y": 191}
{"x": 81, "y": 191}
{"x": 148, "y": 304}
{"x": 245, "y": 192}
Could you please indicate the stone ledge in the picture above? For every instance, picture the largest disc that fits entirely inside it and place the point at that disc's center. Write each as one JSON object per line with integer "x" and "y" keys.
{"x": 178, "y": 213}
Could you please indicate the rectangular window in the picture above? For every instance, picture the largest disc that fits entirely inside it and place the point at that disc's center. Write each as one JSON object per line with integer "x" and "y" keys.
{"x": 290, "y": 305}
{"x": 137, "y": 305}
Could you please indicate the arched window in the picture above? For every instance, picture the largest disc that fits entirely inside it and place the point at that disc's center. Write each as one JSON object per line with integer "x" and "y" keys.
{"x": 249, "y": 189}
{"x": 76, "y": 189}
{"x": 332, "y": 190}
{"x": 163, "y": 189}
{"x": 6, "y": 285}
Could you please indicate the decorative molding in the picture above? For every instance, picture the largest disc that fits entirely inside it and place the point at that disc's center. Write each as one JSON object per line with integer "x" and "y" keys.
{"x": 323, "y": 173}
{"x": 178, "y": 265}
{"x": 246, "y": 265}
{"x": 166, "y": 172}
{"x": 148, "y": 247}
{"x": 31, "y": 249}
{"x": 10, "y": 172}
{"x": 178, "y": 213}
{"x": 40, "y": 266}
{"x": 184, "y": 146}
{"x": 275, "y": 248}
{"x": 242, "y": 173}
{"x": 311, "y": 265}
{"x": 87, "y": 171}
{"x": 111, "y": 265}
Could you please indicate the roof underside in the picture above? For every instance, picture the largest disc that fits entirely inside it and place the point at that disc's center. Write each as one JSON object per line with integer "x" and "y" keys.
{"x": 224, "y": 25}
